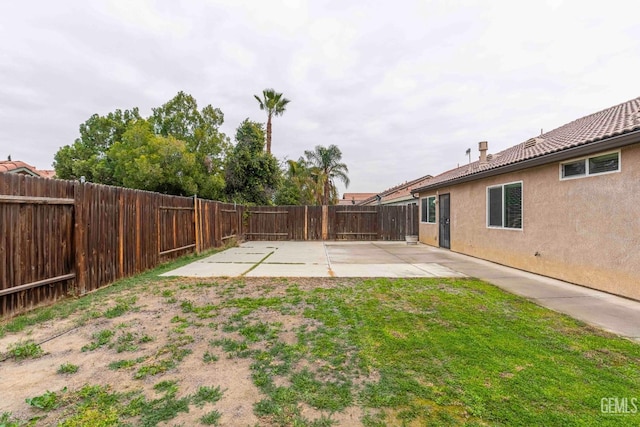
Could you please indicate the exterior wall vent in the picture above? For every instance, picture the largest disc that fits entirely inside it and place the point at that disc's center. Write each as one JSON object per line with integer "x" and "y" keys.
{"x": 531, "y": 142}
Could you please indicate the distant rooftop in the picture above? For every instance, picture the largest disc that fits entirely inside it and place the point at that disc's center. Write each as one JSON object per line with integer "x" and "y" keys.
{"x": 397, "y": 193}
{"x": 354, "y": 198}
{"x": 20, "y": 167}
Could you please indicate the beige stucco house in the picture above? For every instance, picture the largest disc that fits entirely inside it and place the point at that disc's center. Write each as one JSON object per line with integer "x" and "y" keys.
{"x": 565, "y": 204}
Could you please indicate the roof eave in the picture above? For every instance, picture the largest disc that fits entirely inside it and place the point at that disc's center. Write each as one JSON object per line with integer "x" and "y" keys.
{"x": 566, "y": 154}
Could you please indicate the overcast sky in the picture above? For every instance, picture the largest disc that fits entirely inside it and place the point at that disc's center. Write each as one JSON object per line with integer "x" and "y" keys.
{"x": 402, "y": 87}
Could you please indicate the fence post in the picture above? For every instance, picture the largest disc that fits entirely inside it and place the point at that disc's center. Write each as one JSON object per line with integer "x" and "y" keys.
{"x": 217, "y": 225}
{"x": 196, "y": 224}
{"x": 306, "y": 222}
{"x": 325, "y": 222}
{"x": 79, "y": 228}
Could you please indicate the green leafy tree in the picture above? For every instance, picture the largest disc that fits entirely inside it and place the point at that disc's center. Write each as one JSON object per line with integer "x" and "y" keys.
{"x": 87, "y": 155}
{"x": 252, "y": 175}
{"x": 299, "y": 187}
{"x": 275, "y": 105}
{"x": 193, "y": 136}
{"x": 326, "y": 167}
{"x": 200, "y": 129}
{"x": 147, "y": 161}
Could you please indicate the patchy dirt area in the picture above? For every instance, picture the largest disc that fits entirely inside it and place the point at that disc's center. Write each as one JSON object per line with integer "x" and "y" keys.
{"x": 178, "y": 330}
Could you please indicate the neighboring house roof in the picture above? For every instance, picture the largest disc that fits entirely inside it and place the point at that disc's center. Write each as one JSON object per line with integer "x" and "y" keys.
{"x": 590, "y": 131}
{"x": 350, "y": 198}
{"x": 17, "y": 166}
{"x": 398, "y": 193}
{"x": 46, "y": 173}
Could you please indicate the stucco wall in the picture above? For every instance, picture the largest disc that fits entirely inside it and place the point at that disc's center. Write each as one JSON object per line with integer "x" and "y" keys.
{"x": 585, "y": 231}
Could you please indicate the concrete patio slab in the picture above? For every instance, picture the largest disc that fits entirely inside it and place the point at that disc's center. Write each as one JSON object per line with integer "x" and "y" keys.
{"x": 243, "y": 254}
{"x": 378, "y": 270}
{"x": 438, "y": 270}
{"x": 210, "y": 269}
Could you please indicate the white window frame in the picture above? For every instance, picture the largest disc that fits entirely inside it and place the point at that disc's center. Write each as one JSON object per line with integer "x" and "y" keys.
{"x": 502, "y": 227}
{"x": 585, "y": 159}
{"x": 426, "y": 214}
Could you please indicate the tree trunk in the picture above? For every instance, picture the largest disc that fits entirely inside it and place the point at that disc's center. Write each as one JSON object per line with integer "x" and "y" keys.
{"x": 269, "y": 134}
{"x": 326, "y": 193}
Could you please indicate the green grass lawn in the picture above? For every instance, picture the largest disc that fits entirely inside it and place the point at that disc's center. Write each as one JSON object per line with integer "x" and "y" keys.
{"x": 405, "y": 352}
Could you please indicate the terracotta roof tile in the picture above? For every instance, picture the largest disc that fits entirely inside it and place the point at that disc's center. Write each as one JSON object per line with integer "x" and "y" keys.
{"x": 10, "y": 165}
{"x": 20, "y": 166}
{"x": 617, "y": 120}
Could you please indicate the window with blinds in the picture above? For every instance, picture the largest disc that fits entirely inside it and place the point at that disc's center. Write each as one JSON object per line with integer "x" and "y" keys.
{"x": 589, "y": 166}
{"x": 504, "y": 206}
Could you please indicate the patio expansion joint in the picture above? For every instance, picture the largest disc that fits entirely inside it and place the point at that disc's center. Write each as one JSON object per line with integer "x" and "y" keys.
{"x": 258, "y": 263}
{"x": 326, "y": 254}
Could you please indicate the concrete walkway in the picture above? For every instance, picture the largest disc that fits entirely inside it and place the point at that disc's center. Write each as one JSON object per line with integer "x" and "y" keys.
{"x": 397, "y": 259}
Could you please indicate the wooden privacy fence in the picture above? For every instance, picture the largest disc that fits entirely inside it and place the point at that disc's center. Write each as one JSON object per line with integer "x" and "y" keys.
{"x": 331, "y": 222}
{"x": 64, "y": 237}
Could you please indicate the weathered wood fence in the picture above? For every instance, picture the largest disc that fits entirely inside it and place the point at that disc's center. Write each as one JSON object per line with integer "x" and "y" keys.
{"x": 330, "y": 222}
{"x": 64, "y": 237}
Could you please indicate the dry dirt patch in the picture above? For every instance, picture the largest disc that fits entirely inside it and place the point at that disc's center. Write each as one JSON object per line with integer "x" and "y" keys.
{"x": 175, "y": 321}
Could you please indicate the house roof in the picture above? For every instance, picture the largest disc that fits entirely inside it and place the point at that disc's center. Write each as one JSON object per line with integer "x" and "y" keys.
{"x": 354, "y": 198}
{"x": 597, "y": 127}
{"x": 357, "y": 196}
{"x": 398, "y": 192}
{"x": 17, "y": 166}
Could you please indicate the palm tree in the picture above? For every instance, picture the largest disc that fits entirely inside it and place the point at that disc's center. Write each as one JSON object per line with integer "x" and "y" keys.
{"x": 326, "y": 167}
{"x": 275, "y": 105}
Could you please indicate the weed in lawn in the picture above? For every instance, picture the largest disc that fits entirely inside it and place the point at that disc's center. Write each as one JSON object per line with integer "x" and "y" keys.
{"x": 7, "y": 420}
{"x": 248, "y": 305}
{"x": 209, "y": 357}
{"x": 123, "y": 305}
{"x": 47, "y": 401}
{"x": 101, "y": 338}
{"x": 93, "y": 406}
{"x": 206, "y": 395}
{"x": 164, "y": 408}
{"x": 68, "y": 368}
{"x": 182, "y": 324}
{"x": 206, "y": 311}
{"x": 186, "y": 306}
{"x": 25, "y": 350}
{"x": 259, "y": 332}
{"x": 129, "y": 341}
{"x": 125, "y": 364}
{"x": 211, "y": 418}
{"x": 167, "y": 357}
{"x": 206, "y": 284}
{"x": 125, "y": 342}
{"x": 331, "y": 396}
{"x": 232, "y": 348}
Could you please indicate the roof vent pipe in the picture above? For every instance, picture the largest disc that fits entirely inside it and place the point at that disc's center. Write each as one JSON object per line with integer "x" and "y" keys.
{"x": 483, "y": 146}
